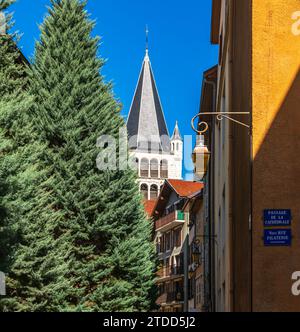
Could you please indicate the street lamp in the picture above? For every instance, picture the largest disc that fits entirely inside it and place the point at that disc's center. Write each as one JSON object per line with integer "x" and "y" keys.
{"x": 201, "y": 156}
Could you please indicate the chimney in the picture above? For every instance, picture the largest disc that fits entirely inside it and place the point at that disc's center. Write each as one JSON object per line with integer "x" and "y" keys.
{"x": 2, "y": 24}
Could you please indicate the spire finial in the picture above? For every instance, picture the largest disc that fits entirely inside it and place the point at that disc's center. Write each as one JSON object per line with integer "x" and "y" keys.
{"x": 147, "y": 38}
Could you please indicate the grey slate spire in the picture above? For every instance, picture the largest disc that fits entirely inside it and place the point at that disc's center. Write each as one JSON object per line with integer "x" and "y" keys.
{"x": 146, "y": 122}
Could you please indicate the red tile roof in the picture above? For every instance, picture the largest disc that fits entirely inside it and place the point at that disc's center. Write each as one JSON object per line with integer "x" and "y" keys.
{"x": 186, "y": 188}
{"x": 149, "y": 206}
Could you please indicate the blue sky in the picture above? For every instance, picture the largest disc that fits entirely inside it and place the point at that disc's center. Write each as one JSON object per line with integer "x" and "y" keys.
{"x": 179, "y": 43}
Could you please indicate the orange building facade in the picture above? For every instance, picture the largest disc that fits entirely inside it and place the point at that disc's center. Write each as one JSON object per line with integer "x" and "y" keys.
{"x": 276, "y": 146}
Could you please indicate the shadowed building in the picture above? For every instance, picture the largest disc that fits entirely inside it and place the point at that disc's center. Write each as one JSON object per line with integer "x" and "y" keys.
{"x": 171, "y": 216}
{"x": 253, "y": 187}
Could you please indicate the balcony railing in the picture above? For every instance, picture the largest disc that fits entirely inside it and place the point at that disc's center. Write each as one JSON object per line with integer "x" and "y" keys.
{"x": 175, "y": 296}
{"x": 171, "y": 297}
{"x": 170, "y": 271}
{"x": 173, "y": 219}
{"x": 176, "y": 270}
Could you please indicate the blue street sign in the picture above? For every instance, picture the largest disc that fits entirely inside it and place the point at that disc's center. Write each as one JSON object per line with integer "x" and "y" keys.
{"x": 278, "y": 237}
{"x": 277, "y": 218}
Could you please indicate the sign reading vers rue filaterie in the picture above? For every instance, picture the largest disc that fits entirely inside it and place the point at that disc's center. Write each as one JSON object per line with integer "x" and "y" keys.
{"x": 278, "y": 237}
{"x": 277, "y": 218}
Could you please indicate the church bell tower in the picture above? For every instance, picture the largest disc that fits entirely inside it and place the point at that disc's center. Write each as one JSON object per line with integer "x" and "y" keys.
{"x": 158, "y": 157}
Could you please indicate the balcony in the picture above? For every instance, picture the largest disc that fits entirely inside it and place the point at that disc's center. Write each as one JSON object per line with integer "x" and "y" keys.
{"x": 175, "y": 296}
{"x": 170, "y": 272}
{"x": 171, "y": 297}
{"x": 170, "y": 221}
{"x": 176, "y": 271}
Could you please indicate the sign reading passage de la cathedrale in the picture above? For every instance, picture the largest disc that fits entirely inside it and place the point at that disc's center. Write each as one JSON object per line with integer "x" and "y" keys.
{"x": 277, "y": 218}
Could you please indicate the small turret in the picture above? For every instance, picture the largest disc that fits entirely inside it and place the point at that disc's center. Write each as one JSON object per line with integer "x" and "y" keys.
{"x": 177, "y": 142}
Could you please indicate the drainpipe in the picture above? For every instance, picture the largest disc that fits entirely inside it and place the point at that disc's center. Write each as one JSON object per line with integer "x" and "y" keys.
{"x": 186, "y": 263}
{"x": 212, "y": 242}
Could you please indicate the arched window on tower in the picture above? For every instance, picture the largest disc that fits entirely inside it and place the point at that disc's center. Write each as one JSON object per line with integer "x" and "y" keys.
{"x": 154, "y": 169}
{"x": 153, "y": 191}
{"x": 144, "y": 168}
{"x": 144, "y": 191}
{"x": 164, "y": 173}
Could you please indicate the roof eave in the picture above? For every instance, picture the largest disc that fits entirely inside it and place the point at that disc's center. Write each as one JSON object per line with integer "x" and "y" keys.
{"x": 215, "y": 21}
{"x": 209, "y": 75}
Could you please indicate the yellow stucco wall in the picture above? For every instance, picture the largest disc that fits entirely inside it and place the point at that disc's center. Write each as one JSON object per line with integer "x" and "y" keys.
{"x": 276, "y": 148}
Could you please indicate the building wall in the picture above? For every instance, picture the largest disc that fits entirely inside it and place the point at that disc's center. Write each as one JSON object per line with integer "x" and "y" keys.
{"x": 199, "y": 275}
{"x": 221, "y": 202}
{"x": 196, "y": 260}
{"x": 221, "y": 176}
{"x": 240, "y": 154}
{"x": 170, "y": 258}
{"x": 231, "y": 153}
{"x": 257, "y": 169}
{"x": 276, "y": 146}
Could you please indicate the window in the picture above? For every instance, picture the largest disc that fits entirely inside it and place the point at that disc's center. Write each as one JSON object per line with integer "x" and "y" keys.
{"x": 192, "y": 288}
{"x": 154, "y": 169}
{"x": 168, "y": 241}
{"x": 164, "y": 173}
{"x": 144, "y": 191}
{"x": 223, "y": 220}
{"x": 199, "y": 292}
{"x": 161, "y": 289}
{"x": 168, "y": 288}
{"x": 158, "y": 246}
{"x": 223, "y": 295}
{"x": 179, "y": 264}
{"x": 145, "y": 168}
{"x": 223, "y": 123}
{"x": 178, "y": 287}
{"x": 177, "y": 237}
{"x": 221, "y": 48}
{"x": 154, "y": 191}
{"x": 180, "y": 215}
{"x": 162, "y": 244}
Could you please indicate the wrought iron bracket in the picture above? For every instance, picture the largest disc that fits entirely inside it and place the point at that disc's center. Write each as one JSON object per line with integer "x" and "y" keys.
{"x": 220, "y": 116}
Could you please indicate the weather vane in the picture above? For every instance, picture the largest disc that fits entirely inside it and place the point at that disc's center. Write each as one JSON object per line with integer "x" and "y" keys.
{"x": 147, "y": 38}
